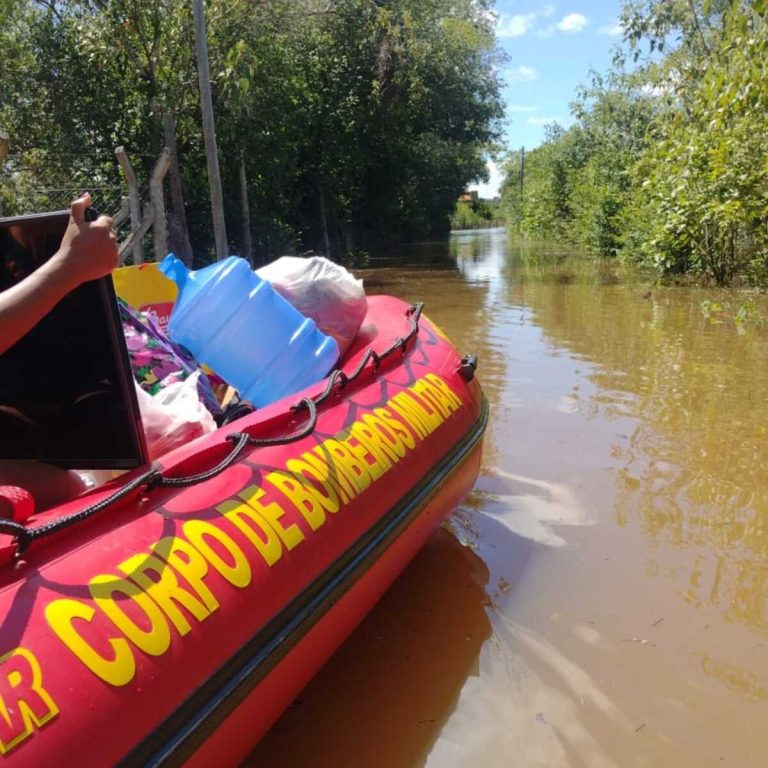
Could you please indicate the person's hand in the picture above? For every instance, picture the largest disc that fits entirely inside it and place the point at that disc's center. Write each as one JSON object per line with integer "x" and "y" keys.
{"x": 88, "y": 250}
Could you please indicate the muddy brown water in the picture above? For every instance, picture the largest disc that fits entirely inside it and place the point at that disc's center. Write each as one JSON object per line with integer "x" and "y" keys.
{"x": 601, "y": 598}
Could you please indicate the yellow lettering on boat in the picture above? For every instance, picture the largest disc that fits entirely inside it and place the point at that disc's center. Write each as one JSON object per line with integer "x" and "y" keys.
{"x": 290, "y": 534}
{"x": 303, "y": 496}
{"x": 320, "y": 460}
{"x": 362, "y": 453}
{"x": 429, "y": 396}
{"x": 118, "y": 670}
{"x": 323, "y": 488}
{"x": 434, "y": 404}
{"x": 192, "y": 566}
{"x": 450, "y": 398}
{"x": 24, "y": 703}
{"x": 163, "y": 589}
{"x": 346, "y": 464}
{"x": 392, "y": 430}
{"x": 249, "y": 519}
{"x": 366, "y": 432}
{"x": 410, "y": 411}
{"x": 238, "y": 572}
{"x": 156, "y": 639}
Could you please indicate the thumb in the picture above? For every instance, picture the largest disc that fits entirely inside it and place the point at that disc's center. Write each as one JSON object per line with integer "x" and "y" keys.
{"x": 77, "y": 208}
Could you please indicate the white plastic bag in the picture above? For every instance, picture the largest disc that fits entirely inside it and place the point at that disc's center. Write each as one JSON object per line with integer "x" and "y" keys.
{"x": 323, "y": 291}
{"x": 174, "y": 416}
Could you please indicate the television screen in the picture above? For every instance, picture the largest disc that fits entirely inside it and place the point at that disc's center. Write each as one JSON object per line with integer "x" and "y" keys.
{"x": 66, "y": 391}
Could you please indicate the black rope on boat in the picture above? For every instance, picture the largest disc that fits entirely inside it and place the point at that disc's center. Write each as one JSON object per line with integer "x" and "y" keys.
{"x": 12, "y": 528}
{"x": 241, "y": 443}
{"x": 337, "y": 379}
{"x": 145, "y": 481}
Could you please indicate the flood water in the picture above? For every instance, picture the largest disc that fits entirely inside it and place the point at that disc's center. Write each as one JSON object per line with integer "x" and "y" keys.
{"x": 601, "y": 598}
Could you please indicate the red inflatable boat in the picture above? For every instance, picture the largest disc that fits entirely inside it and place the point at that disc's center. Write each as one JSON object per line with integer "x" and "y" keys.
{"x": 170, "y": 617}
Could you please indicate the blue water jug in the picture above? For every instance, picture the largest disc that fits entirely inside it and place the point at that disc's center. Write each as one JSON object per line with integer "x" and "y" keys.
{"x": 235, "y": 322}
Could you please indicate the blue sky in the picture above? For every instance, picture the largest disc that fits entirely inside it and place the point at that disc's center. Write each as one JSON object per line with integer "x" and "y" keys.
{"x": 551, "y": 47}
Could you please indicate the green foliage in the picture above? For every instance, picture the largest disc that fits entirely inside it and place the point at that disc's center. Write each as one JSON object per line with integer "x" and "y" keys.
{"x": 668, "y": 165}
{"x": 742, "y": 315}
{"x": 706, "y": 179}
{"x": 476, "y": 214}
{"x": 358, "y": 122}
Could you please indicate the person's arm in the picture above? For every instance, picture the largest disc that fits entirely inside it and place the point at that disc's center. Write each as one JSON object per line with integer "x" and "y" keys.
{"x": 88, "y": 251}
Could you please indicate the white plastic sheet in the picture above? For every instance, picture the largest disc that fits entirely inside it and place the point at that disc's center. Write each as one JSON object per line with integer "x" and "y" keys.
{"x": 326, "y": 292}
{"x": 174, "y": 416}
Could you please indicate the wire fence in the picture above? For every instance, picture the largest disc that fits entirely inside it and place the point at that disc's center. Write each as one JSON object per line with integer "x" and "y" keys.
{"x": 35, "y": 181}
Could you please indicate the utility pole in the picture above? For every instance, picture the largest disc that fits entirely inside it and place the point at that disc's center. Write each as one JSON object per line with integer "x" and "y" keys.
{"x": 209, "y": 131}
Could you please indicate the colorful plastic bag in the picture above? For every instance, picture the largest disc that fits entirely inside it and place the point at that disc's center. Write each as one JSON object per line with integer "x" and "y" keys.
{"x": 156, "y": 361}
{"x": 147, "y": 289}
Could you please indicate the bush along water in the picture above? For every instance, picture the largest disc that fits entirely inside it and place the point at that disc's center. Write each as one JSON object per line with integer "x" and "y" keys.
{"x": 666, "y": 165}
{"x": 476, "y": 214}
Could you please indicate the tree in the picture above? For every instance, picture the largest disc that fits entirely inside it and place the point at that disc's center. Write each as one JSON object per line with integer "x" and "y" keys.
{"x": 358, "y": 122}
{"x": 666, "y": 165}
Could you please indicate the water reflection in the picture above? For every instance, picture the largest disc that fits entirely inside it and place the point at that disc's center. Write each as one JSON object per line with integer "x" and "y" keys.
{"x": 383, "y": 698}
{"x": 530, "y": 508}
{"x": 607, "y": 601}
{"x": 525, "y": 713}
{"x": 693, "y": 473}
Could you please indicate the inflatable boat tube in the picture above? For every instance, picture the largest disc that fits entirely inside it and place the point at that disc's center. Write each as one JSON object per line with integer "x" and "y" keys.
{"x": 169, "y": 617}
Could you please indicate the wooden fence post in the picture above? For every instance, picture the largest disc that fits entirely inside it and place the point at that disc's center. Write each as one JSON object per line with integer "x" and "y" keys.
{"x": 154, "y": 212}
{"x": 157, "y": 201}
{"x": 123, "y": 213}
{"x": 134, "y": 202}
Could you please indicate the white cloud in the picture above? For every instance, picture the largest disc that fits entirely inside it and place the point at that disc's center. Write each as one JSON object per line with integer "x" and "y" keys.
{"x": 521, "y": 74}
{"x": 573, "y": 22}
{"x": 612, "y": 30}
{"x": 489, "y": 189}
{"x": 521, "y": 23}
{"x": 521, "y": 108}
{"x": 515, "y": 26}
{"x": 565, "y": 122}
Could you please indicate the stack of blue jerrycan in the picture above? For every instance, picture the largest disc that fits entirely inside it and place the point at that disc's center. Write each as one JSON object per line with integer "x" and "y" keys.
{"x": 237, "y": 324}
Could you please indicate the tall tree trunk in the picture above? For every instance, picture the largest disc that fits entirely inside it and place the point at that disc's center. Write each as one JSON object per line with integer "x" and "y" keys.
{"x": 323, "y": 224}
{"x": 246, "y": 212}
{"x": 209, "y": 131}
{"x": 177, "y": 221}
{"x": 5, "y": 143}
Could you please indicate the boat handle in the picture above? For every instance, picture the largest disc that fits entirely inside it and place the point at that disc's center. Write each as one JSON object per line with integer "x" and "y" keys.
{"x": 467, "y": 367}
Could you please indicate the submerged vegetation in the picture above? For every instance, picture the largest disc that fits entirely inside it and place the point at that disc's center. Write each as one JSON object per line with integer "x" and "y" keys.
{"x": 356, "y": 123}
{"x": 666, "y": 164}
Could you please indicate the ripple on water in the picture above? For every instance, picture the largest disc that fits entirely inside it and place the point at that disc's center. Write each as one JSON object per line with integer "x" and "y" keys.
{"x": 531, "y": 508}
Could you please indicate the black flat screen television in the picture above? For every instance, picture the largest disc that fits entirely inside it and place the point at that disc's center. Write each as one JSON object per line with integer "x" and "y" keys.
{"x": 66, "y": 390}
